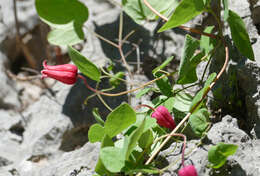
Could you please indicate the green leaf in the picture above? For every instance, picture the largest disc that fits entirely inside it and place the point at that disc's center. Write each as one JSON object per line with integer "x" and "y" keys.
{"x": 227, "y": 149}
{"x": 114, "y": 81}
{"x": 139, "y": 12}
{"x": 198, "y": 97}
{"x": 239, "y": 35}
{"x": 100, "y": 168}
{"x": 182, "y": 102}
{"x": 164, "y": 64}
{"x": 149, "y": 122}
{"x": 187, "y": 71}
{"x": 134, "y": 137}
{"x": 199, "y": 121}
{"x": 64, "y": 36}
{"x": 66, "y": 15}
{"x": 206, "y": 2}
{"x": 97, "y": 116}
{"x": 119, "y": 119}
{"x": 190, "y": 75}
{"x": 96, "y": 133}
{"x": 143, "y": 92}
{"x": 164, "y": 85}
{"x": 84, "y": 65}
{"x": 184, "y": 12}
{"x": 146, "y": 139}
{"x": 226, "y": 10}
{"x": 218, "y": 154}
{"x": 207, "y": 43}
{"x": 112, "y": 158}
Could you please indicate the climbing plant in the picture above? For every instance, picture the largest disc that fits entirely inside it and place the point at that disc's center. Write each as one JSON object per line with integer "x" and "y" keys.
{"x": 131, "y": 137}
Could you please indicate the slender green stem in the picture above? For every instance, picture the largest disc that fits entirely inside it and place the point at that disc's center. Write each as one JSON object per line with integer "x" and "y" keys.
{"x": 101, "y": 37}
{"x": 192, "y": 85}
{"x": 112, "y": 76}
{"x": 120, "y": 33}
{"x": 209, "y": 54}
{"x": 127, "y": 36}
{"x": 104, "y": 103}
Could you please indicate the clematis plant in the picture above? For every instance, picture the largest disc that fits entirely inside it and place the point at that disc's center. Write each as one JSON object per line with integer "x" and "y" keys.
{"x": 128, "y": 138}
{"x": 66, "y": 73}
{"x": 163, "y": 117}
{"x": 189, "y": 170}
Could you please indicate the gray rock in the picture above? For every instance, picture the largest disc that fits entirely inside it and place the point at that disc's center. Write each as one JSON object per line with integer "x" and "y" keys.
{"x": 8, "y": 119}
{"x": 8, "y": 93}
{"x": 246, "y": 156}
{"x": 5, "y": 172}
{"x": 45, "y": 126}
{"x": 2, "y": 27}
{"x": 244, "y": 162}
{"x": 81, "y": 161}
{"x": 4, "y": 162}
{"x": 26, "y": 13}
{"x": 10, "y": 147}
{"x": 227, "y": 131}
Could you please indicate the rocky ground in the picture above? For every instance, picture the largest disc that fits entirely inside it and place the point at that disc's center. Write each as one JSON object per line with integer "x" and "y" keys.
{"x": 43, "y": 125}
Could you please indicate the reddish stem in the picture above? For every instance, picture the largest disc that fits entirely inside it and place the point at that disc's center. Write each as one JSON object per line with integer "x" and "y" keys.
{"x": 183, "y": 147}
{"x": 144, "y": 105}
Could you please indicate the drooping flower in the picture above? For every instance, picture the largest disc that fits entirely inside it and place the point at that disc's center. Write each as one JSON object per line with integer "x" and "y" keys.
{"x": 163, "y": 117}
{"x": 66, "y": 73}
{"x": 189, "y": 170}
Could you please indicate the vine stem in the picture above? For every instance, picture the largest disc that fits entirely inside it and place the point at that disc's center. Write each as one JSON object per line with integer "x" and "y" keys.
{"x": 144, "y": 105}
{"x": 183, "y": 147}
{"x": 120, "y": 93}
{"x": 196, "y": 31}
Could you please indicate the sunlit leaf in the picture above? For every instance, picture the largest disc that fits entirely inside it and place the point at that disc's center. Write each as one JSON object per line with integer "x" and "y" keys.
{"x": 207, "y": 43}
{"x": 217, "y": 155}
{"x": 239, "y": 35}
{"x": 119, "y": 119}
{"x": 164, "y": 64}
{"x": 139, "y": 12}
{"x": 187, "y": 71}
{"x": 199, "y": 121}
{"x": 84, "y": 65}
{"x": 183, "y": 13}
{"x": 100, "y": 168}
{"x": 96, "y": 133}
{"x": 66, "y": 17}
{"x": 112, "y": 158}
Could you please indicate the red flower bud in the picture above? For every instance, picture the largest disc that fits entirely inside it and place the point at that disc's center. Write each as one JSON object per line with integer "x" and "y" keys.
{"x": 189, "y": 170}
{"x": 163, "y": 117}
{"x": 66, "y": 73}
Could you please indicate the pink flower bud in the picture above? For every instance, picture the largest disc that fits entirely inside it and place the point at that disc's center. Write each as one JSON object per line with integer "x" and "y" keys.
{"x": 66, "y": 73}
{"x": 163, "y": 117}
{"x": 189, "y": 170}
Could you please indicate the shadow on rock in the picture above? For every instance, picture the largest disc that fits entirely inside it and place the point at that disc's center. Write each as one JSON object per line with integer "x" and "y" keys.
{"x": 237, "y": 91}
{"x": 153, "y": 47}
{"x": 232, "y": 168}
